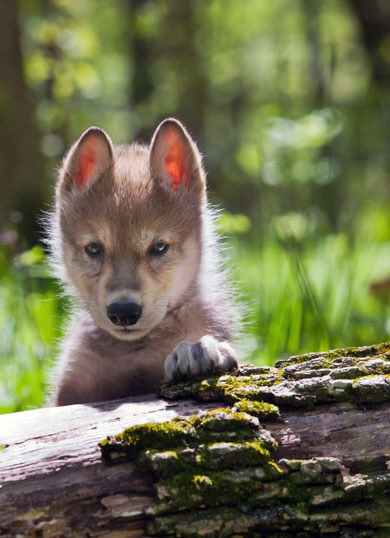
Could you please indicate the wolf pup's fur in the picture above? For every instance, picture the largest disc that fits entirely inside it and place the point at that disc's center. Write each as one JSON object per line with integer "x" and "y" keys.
{"x": 132, "y": 238}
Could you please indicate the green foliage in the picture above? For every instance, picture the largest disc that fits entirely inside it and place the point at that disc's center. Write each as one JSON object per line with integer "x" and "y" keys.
{"x": 31, "y": 318}
{"x": 290, "y": 109}
{"x": 311, "y": 296}
{"x": 301, "y": 292}
{"x": 280, "y": 95}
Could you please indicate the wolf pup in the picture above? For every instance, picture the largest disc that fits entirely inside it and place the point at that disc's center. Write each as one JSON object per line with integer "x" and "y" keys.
{"x": 132, "y": 238}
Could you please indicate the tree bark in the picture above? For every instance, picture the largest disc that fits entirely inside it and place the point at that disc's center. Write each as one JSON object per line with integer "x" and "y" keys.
{"x": 21, "y": 171}
{"x": 52, "y": 476}
{"x": 328, "y": 474}
{"x": 374, "y": 20}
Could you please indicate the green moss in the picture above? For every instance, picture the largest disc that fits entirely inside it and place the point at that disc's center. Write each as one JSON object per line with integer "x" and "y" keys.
{"x": 177, "y": 432}
{"x": 231, "y": 455}
{"x": 261, "y": 410}
{"x": 201, "y": 481}
{"x": 214, "y": 426}
{"x": 233, "y": 389}
{"x": 252, "y": 383}
{"x": 221, "y": 420}
{"x": 330, "y": 356}
{"x": 219, "y": 463}
{"x": 228, "y": 487}
{"x": 372, "y": 388}
{"x": 216, "y": 456}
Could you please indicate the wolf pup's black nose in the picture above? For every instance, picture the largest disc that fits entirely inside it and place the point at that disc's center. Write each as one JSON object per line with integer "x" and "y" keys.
{"x": 124, "y": 313}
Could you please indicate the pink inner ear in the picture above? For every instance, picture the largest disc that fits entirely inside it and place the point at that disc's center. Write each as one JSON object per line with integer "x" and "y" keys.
{"x": 87, "y": 164}
{"x": 176, "y": 162}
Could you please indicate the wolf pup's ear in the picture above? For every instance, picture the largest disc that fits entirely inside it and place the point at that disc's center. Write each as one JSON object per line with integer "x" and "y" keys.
{"x": 174, "y": 158}
{"x": 88, "y": 159}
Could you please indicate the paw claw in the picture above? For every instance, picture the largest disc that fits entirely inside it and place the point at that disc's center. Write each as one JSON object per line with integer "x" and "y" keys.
{"x": 190, "y": 359}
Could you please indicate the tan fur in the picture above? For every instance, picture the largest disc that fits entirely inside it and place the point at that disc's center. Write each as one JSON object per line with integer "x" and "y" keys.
{"x": 127, "y": 205}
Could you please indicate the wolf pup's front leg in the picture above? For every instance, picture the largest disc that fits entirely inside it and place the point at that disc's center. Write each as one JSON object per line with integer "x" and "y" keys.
{"x": 176, "y": 163}
{"x": 194, "y": 358}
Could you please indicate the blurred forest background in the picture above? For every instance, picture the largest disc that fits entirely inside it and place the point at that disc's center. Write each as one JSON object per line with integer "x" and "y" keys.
{"x": 289, "y": 101}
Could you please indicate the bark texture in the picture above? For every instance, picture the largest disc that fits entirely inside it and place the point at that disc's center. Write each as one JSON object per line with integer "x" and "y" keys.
{"x": 300, "y": 449}
{"x": 21, "y": 171}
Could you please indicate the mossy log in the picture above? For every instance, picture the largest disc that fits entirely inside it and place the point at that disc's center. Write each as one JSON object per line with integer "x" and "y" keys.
{"x": 301, "y": 449}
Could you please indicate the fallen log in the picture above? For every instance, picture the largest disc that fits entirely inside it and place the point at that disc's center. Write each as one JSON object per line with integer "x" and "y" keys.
{"x": 210, "y": 472}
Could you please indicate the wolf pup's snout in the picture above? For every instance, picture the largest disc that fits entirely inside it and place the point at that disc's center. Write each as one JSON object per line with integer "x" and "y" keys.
{"x": 124, "y": 313}
{"x": 133, "y": 238}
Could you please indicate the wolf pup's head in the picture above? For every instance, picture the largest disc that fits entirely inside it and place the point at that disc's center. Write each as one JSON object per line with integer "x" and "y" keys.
{"x": 127, "y": 229}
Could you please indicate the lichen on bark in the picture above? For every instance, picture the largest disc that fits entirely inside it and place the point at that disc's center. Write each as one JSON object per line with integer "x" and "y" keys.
{"x": 216, "y": 475}
{"x": 359, "y": 375}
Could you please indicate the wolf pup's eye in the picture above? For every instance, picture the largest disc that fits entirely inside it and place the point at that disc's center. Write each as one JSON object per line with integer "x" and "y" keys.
{"x": 93, "y": 250}
{"x": 158, "y": 248}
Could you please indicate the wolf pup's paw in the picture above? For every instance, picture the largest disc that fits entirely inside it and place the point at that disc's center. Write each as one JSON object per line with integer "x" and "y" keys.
{"x": 190, "y": 359}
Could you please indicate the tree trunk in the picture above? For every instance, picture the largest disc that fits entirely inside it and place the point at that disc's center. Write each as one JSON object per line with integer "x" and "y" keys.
{"x": 21, "y": 172}
{"x": 218, "y": 473}
{"x": 374, "y": 20}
